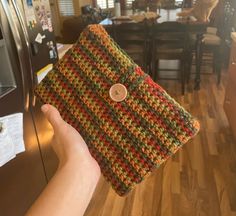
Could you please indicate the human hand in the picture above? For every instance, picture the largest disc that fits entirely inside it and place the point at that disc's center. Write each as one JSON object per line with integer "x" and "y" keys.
{"x": 71, "y": 188}
{"x": 69, "y": 146}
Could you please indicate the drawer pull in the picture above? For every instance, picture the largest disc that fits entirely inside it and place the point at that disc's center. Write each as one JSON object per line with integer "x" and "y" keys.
{"x": 227, "y": 102}
{"x": 233, "y": 63}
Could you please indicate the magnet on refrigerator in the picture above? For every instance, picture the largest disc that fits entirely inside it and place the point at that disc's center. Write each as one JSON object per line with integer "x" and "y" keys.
{"x": 52, "y": 50}
{"x": 43, "y": 13}
{"x": 29, "y": 13}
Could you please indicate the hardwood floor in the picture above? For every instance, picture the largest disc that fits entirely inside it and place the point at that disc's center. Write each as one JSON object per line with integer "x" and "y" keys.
{"x": 200, "y": 180}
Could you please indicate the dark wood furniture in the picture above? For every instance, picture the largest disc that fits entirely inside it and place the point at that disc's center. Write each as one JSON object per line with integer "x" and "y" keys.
{"x": 144, "y": 4}
{"x": 218, "y": 36}
{"x": 72, "y": 28}
{"x": 74, "y": 25}
{"x": 188, "y": 3}
{"x": 194, "y": 27}
{"x": 133, "y": 38}
{"x": 170, "y": 41}
{"x": 230, "y": 93}
{"x": 212, "y": 43}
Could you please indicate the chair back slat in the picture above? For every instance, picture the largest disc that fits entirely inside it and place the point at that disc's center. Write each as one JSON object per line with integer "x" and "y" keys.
{"x": 133, "y": 38}
{"x": 131, "y": 32}
{"x": 170, "y": 33}
{"x": 170, "y": 41}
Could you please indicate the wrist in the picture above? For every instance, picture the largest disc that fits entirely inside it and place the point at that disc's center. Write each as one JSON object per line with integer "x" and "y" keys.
{"x": 86, "y": 166}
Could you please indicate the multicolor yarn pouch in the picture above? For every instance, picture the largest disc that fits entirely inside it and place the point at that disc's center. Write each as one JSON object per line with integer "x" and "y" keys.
{"x": 130, "y": 124}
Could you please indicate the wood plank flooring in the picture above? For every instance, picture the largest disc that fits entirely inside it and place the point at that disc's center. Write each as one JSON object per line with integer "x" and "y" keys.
{"x": 200, "y": 180}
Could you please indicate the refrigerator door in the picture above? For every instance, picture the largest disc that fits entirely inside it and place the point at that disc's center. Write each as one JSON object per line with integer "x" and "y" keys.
{"x": 14, "y": 61}
{"x": 40, "y": 35}
{"x": 40, "y": 55}
{"x": 43, "y": 52}
{"x": 7, "y": 79}
{"x": 25, "y": 40}
{"x": 23, "y": 178}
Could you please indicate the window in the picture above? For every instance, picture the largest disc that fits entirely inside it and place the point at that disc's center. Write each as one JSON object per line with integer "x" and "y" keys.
{"x": 66, "y": 7}
{"x": 128, "y": 3}
{"x": 104, "y": 4}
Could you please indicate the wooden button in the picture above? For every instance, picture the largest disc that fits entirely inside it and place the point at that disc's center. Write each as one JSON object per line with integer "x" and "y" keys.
{"x": 118, "y": 92}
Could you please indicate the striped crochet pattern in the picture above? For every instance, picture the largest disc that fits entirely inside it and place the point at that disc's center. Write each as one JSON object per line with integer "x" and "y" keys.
{"x": 128, "y": 138}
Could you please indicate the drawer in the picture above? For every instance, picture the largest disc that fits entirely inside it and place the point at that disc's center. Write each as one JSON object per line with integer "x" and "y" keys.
{"x": 230, "y": 105}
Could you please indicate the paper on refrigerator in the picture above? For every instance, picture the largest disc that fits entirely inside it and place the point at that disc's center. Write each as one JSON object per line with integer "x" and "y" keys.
{"x": 11, "y": 137}
{"x": 7, "y": 150}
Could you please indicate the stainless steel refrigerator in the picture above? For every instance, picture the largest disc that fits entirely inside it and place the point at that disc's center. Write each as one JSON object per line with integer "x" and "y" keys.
{"x": 27, "y": 46}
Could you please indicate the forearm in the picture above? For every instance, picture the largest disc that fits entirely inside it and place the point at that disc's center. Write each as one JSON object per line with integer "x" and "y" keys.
{"x": 68, "y": 193}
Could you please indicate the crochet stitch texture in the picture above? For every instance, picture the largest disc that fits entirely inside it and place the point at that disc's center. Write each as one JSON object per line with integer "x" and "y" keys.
{"x": 128, "y": 138}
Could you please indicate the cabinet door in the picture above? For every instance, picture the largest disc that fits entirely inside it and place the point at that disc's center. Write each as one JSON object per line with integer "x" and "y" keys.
{"x": 23, "y": 178}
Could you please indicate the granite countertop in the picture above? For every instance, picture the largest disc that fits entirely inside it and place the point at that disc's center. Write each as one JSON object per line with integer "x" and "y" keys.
{"x": 62, "y": 49}
{"x": 233, "y": 36}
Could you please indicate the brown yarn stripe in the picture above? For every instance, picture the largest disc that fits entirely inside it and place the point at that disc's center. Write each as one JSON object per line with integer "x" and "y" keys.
{"x": 99, "y": 122}
{"x": 142, "y": 101}
{"x": 114, "y": 112}
{"x": 129, "y": 138}
{"x": 85, "y": 134}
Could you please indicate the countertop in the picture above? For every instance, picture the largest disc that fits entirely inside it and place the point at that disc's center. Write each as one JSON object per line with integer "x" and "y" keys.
{"x": 62, "y": 49}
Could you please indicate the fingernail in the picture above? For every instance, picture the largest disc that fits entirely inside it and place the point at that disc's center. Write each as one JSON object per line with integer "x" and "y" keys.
{"x": 44, "y": 108}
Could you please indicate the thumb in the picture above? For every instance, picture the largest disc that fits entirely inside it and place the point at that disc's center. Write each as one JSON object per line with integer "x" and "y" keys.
{"x": 53, "y": 116}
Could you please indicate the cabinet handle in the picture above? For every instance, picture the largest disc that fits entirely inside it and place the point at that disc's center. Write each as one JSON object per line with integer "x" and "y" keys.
{"x": 233, "y": 63}
{"x": 227, "y": 102}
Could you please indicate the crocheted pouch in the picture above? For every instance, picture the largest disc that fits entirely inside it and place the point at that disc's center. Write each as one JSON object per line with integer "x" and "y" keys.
{"x": 130, "y": 124}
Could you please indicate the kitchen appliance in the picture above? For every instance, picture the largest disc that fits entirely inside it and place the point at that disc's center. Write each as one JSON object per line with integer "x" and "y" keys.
{"x": 27, "y": 47}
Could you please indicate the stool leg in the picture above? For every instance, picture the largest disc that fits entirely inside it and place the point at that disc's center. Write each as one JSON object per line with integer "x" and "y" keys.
{"x": 189, "y": 67}
{"x": 156, "y": 70}
{"x": 218, "y": 64}
{"x": 199, "y": 50}
{"x": 218, "y": 71}
{"x": 183, "y": 67}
